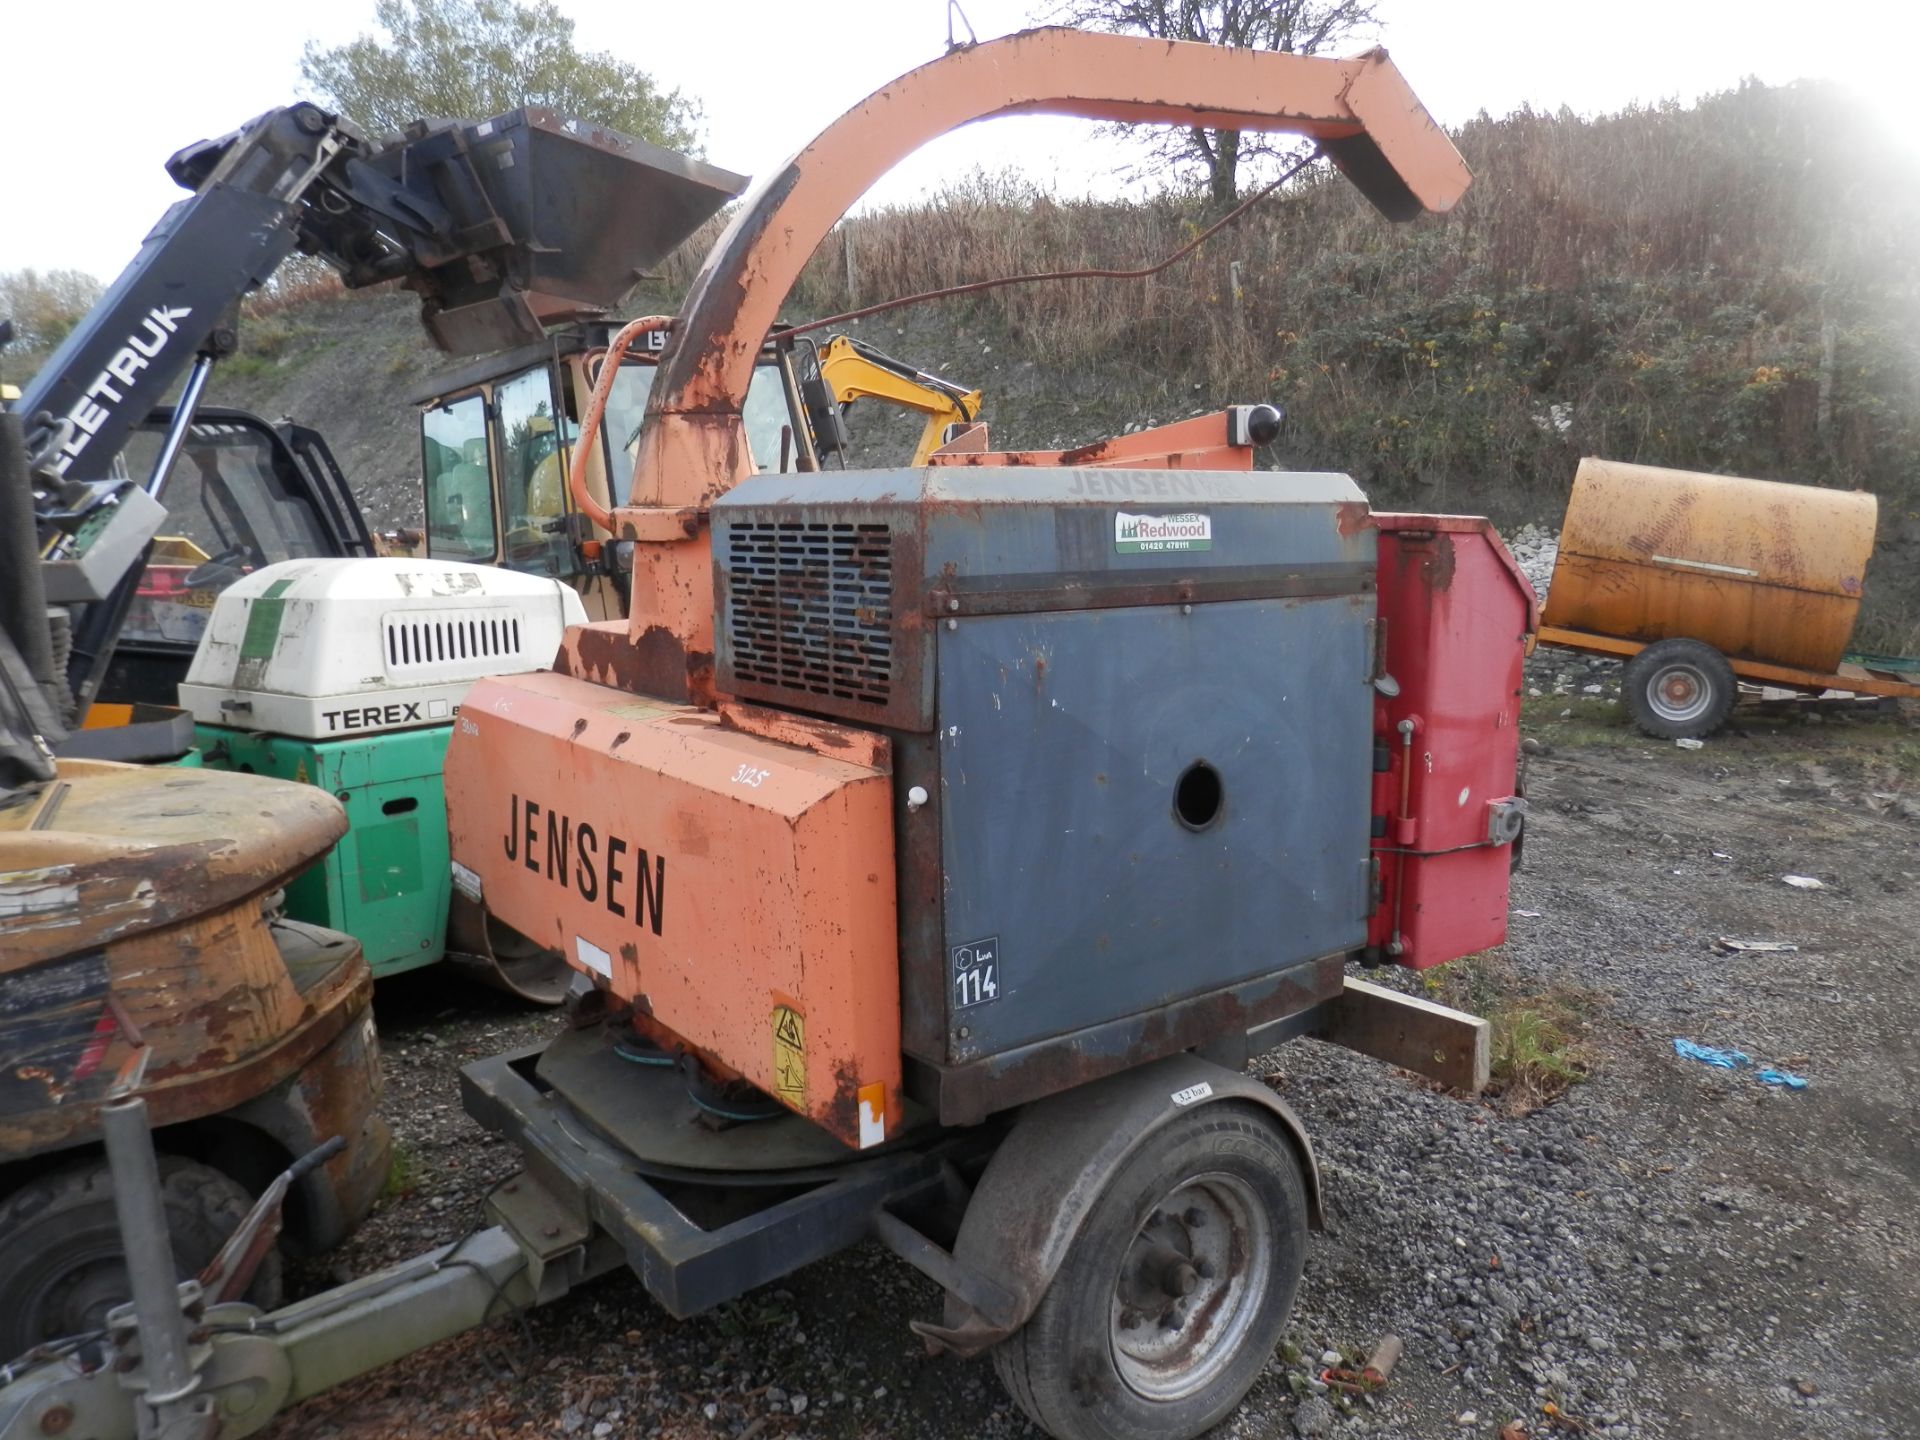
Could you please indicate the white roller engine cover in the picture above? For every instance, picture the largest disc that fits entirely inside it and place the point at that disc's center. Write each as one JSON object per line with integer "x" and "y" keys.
{"x": 325, "y": 649}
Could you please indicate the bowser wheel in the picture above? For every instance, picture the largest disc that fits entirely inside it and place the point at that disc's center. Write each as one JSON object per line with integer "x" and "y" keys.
{"x": 1679, "y": 689}
{"x": 61, "y": 1269}
{"x": 1173, "y": 1295}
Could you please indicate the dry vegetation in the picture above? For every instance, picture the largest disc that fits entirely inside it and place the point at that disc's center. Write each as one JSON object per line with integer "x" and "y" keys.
{"x": 1730, "y": 286}
{"x": 1542, "y": 1037}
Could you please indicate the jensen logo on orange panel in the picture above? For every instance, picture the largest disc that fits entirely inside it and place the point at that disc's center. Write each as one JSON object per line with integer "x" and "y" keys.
{"x": 600, "y": 867}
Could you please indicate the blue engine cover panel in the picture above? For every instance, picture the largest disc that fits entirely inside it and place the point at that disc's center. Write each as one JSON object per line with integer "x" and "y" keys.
{"x": 1074, "y": 892}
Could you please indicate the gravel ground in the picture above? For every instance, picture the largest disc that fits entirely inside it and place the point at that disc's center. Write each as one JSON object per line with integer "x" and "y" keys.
{"x": 1669, "y": 1250}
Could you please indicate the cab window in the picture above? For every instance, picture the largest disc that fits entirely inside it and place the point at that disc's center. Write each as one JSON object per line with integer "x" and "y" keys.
{"x": 234, "y": 504}
{"x": 533, "y": 472}
{"x": 764, "y": 414}
{"x": 626, "y": 408}
{"x": 459, "y": 480}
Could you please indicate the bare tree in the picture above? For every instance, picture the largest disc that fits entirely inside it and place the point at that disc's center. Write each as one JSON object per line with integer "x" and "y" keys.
{"x": 45, "y": 305}
{"x": 1297, "y": 27}
{"x": 469, "y": 59}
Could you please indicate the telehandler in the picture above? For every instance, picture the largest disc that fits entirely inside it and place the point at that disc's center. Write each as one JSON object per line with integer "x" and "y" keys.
{"x": 473, "y": 217}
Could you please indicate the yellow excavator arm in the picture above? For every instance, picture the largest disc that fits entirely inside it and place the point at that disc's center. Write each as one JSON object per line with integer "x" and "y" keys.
{"x": 855, "y": 371}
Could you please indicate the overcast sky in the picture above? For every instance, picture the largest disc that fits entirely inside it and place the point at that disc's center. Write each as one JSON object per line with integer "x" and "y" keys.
{"x": 90, "y": 112}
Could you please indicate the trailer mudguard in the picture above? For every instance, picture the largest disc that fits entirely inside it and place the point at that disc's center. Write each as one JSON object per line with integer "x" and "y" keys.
{"x": 1044, "y": 1179}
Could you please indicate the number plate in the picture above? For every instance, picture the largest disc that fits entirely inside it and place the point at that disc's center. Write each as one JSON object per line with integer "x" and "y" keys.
{"x": 976, "y": 972}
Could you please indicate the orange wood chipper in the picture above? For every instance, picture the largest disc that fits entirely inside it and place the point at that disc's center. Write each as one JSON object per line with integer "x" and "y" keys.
{"x": 934, "y": 846}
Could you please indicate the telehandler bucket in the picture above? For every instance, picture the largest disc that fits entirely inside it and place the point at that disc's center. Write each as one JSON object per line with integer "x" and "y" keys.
{"x": 566, "y": 216}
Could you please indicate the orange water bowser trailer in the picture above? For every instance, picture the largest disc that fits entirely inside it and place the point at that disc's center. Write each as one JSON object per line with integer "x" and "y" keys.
{"x": 934, "y": 846}
{"x": 1701, "y": 581}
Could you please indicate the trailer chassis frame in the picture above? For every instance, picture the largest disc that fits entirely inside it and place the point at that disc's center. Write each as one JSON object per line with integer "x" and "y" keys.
{"x": 584, "y": 1205}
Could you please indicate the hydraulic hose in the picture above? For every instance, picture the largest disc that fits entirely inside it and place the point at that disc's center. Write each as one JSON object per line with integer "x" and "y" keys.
{"x": 597, "y": 408}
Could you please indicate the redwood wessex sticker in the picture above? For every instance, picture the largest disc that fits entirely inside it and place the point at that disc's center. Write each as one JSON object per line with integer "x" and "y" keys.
{"x": 1146, "y": 534}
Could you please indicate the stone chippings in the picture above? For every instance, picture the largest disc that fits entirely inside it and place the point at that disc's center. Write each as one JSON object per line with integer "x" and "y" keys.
{"x": 1552, "y": 671}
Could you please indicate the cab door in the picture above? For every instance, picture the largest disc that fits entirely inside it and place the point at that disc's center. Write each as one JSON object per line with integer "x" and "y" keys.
{"x": 532, "y": 447}
{"x": 456, "y": 468}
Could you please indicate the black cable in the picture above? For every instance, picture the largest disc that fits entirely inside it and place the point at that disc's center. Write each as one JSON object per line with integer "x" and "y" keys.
{"x": 1090, "y": 274}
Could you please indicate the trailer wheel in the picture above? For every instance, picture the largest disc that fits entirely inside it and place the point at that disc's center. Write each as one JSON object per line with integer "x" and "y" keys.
{"x": 1171, "y": 1298}
{"x": 1679, "y": 689}
{"x": 60, "y": 1261}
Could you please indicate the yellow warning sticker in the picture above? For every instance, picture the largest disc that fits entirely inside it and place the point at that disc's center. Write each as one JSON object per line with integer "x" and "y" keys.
{"x": 789, "y": 1055}
{"x": 300, "y": 772}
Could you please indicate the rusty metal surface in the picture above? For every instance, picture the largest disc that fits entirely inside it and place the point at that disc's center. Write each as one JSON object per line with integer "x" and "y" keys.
{"x": 1099, "y": 589}
{"x": 500, "y": 957}
{"x": 1197, "y": 444}
{"x": 1066, "y": 738}
{"x": 1455, "y": 617}
{"x": 921, "y": 881}
{"x": 567, "y": 215}
{"x": 737, "y": 890}
{"x": 211, "y": 1001}
{"x": 967, "y": 1094}
{"x": 137, "y": 943}
{"x": 708, "y": 1237}
{"x": 664, "y": 647}
{"x": 336, "y": 1091}
{"x": 1393, "y": 521}
{"x": 867, "y": 748}
{"x": 1056, "y": 1163}
{"x": 1759, "y": 570}
{"x": 692, "y": 447}
{"x": 133, "y": 848}
{"x": 794, "y": 583}
{"x": 1375, "y": 129}
{"x": 651, "y": 1114}
{"x": 990, "y": 541}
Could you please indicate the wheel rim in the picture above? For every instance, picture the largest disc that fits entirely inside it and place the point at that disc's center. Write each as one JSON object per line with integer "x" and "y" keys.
{"x": 1190, "y": 1287}
{"x": 71, "y": 1292}
{"x": 1679, "y": 692}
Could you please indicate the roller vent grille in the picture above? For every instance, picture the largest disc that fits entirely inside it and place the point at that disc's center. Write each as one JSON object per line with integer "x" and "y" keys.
{"x": 434, "y": 640}
{"x": 810, "y": 607}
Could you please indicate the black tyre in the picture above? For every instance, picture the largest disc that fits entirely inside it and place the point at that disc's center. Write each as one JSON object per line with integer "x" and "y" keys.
{"x": 1176, "y": 1290}
{"x": 61, "y": 1269}
{"x": 1679, "y": 689}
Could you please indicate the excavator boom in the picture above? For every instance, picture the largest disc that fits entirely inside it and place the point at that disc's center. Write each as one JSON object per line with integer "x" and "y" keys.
{"x": 855, "y": 371}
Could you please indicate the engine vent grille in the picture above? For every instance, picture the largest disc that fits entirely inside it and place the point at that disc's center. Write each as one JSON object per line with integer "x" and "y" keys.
{"x": 439, "y": 641}
{"x": 810, "y": 608}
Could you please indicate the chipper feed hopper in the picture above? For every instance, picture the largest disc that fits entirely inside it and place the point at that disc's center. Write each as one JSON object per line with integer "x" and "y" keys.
{"x": 934, "y": 846}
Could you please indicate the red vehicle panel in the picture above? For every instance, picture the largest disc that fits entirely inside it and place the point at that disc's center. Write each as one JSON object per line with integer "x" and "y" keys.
{"x": 1455, "y": 610}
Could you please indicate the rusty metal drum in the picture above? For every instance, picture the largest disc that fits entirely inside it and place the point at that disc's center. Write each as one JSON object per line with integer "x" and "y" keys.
{"x": 1757, "y": 569}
